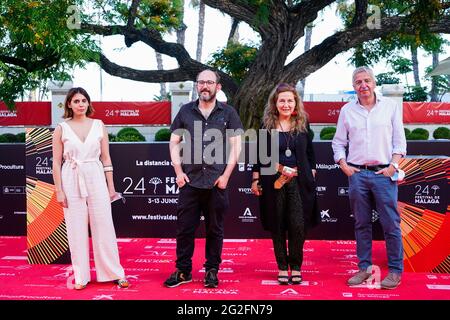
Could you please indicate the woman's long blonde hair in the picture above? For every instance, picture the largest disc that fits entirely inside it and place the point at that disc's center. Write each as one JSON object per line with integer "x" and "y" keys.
{"x": 298, "y": 118}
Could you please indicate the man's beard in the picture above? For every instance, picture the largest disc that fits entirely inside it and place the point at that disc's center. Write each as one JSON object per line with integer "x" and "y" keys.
{"x": 211, "y": 97}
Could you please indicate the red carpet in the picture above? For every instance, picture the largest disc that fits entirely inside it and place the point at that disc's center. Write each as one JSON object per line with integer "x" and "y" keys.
{"x": 248, "y": 272}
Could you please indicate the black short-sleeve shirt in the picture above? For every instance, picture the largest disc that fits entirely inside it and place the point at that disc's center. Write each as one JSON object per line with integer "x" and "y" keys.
{"x": 205, "y": 141}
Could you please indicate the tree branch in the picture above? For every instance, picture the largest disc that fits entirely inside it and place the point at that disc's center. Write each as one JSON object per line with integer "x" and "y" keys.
{"x": 310, "y": 7}
{"x": 130, "y": 23}
{"x": 132, "y": 13}
{"x": 322, "y": 53}
{"x": 243, "y": 12}
{"x": 32, "y": 66}
{"x": 187, "y": 72}
{"x": 360, "y": 16}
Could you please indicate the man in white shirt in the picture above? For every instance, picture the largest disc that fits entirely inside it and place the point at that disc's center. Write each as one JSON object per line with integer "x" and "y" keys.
{"x": 372, "y": 128}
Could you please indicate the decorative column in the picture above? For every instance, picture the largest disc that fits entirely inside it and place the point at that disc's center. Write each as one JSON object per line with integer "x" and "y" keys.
{"x": 59, "y": 91}
{"x": 395, "y": 92}
{"x": 180, "y": 94}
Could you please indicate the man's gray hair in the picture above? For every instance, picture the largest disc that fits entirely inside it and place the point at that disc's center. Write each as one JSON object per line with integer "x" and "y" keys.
{"x": 363, "y": 69}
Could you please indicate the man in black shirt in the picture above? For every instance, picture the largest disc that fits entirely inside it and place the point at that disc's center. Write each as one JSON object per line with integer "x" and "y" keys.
{"x": 208, "y": 129}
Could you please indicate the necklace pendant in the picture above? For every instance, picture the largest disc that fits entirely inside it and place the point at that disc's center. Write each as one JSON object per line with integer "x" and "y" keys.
{"x": 288, "y": 153}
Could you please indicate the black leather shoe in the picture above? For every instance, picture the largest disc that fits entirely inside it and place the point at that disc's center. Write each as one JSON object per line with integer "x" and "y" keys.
{"x": 177, "y": 278}
{"x": 211, "y": 280}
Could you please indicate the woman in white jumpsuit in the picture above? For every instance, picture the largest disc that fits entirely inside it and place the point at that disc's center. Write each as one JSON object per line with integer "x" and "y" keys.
{"x": 82, "y": 173}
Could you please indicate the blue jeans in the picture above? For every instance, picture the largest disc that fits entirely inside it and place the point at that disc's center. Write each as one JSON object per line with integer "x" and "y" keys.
{"x": 365, "y": 188}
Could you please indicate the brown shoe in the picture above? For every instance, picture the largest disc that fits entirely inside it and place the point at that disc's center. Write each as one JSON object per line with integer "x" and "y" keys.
{"x": 391, "y": 281}
{"x": 359, "y": 278}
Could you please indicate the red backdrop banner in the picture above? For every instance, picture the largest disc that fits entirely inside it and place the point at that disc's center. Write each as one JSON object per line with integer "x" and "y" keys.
{"x": 26, "y": 114}
{"x": 159, "y": 113}
{"x": 426, "y": 112}
{"x": 323, "y": 112}
{"x": 147, "y": 113}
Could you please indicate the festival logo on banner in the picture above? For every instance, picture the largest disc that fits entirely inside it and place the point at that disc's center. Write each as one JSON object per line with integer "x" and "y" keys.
{"x": 424, "y": 212}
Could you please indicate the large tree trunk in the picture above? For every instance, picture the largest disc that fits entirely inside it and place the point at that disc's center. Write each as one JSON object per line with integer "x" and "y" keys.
{"x": 434, "y": 91}
{"x": 308, "y": 36}
{"x": 234, "y": 31}
{"x": 415, "y": 65}
{"x": 200, "y": 35}
{"x": 160, "y": 66}
{"x": 267, "y": 72}
{"x": 181, "y": 31}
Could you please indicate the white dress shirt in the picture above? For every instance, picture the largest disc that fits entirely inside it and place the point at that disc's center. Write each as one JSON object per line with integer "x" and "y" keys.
{"x": 372, "y": 136}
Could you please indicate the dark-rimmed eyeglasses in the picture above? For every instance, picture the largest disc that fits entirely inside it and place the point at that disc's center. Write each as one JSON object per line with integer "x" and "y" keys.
{"x": 203, "y": 82}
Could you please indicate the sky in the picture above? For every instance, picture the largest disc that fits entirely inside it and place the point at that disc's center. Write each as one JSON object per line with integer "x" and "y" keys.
{"x": 334, "y": 77}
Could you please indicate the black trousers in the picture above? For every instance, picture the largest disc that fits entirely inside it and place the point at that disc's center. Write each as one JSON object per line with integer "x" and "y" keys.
{"x": 290, "y": 220}
{"x": 192, "y": 203}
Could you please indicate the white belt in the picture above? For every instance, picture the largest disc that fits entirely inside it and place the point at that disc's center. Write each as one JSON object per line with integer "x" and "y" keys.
{"x": 76, "y": 165}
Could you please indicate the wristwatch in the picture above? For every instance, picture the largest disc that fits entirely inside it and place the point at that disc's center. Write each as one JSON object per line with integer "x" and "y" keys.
{"x": 395, "y": 165}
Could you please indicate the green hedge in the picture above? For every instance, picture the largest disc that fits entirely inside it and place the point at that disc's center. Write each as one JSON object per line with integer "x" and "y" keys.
{"x": 163, "y": 135}
{"x": 327, "y": 133}
{"x": 20, "y": 137}
{"x": 407, "y": 133}
{"x": 441, "y": 133}
{"x": 9, "y": 138}
{"x": 419, "y": 134}
{"x": 129, "y": 134}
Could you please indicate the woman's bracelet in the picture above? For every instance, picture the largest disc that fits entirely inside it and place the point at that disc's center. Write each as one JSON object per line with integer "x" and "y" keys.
{"x": 108, "y": 168}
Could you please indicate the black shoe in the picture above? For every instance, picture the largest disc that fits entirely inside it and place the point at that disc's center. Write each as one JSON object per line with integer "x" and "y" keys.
{"x": 211, "y": 280}
{"x": 177, "y": 278}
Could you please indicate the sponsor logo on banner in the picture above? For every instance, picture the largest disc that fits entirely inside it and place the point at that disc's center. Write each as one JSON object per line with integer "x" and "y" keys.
{"x": 213, "y": 291}
{"x": 324, "y": 166}
{"x": 245, "y": 190}
{"x": 343, "y": 191}
{"x": 427, "y": 194}
{"x": 325, "y": 216}
{"x": 13, "y": 190}
{"x": 242, "y": 167}
{"x": 288, "y": 292}
{"x": 103, "y": 297}
{"x": 158, "y": 253}
{"x": 222, "y": 270}
{"x": 247, "y": 216}
{"x": 321, "y": 189}
{"x": 11, "y": 167}
{"x": 347, "y": 294}
{"x": 152, "y": 261}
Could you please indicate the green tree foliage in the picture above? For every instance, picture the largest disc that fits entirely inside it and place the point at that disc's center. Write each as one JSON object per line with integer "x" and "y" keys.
{"x": 36, "y": 45}
{"x": 442, "y": 82}
{"x": 416, "y": 93}
{"x": 386, "y": 78}
{"x": 235, "y": 59}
